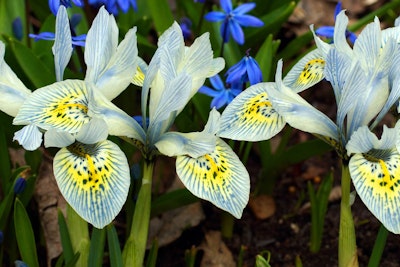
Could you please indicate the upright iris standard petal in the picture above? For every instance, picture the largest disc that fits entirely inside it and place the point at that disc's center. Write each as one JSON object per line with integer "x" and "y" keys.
{"x": 218, "y": 177}
{"x": 94, "y": 179}
{"x": 62, "y": 48}
{"x": 251, "y": 116}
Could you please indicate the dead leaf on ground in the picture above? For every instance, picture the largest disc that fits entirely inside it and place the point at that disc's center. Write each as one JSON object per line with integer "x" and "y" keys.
{"x": 216, "y": 253}
{"x": 262, "y": 206}
{"x": 169, "y": 226}
{"x": 49, "y": 199}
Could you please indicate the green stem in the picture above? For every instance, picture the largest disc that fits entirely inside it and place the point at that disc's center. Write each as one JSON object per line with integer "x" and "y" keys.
{"x": 379, "y": 246}
{"x": 135, "y": 247}
{"x": 227, "y": 224}
{"x": 347, "y": 236}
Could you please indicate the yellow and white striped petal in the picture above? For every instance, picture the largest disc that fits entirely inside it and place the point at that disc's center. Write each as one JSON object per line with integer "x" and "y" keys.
{"x": 307, "y": 72}
{"x": 218, "y": 177}
{"x": 250, "y": 116}
{"x": 377, "y": 181}
{"x": 61, "y": 105}
{"x": 94, "y": 179}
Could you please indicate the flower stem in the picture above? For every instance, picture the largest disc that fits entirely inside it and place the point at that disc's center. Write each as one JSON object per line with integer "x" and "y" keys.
{"x": 135, "y": 247}
{"x": 347, "y": 237}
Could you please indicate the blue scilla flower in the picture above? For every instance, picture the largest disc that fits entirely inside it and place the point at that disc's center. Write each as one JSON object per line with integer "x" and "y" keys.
{"x": 221, "y": 95}
{"x": 55, "y": 4}
{"x": 186, "y": 24}
{"x": 233, "y": 19}
{"x": 327, "y": 31}
{"x": 50, "y": 36}
{"x": 19, "y": 185}
{"x": 247, "y": 69}
{"x": 17, "y": 28}
{"x": 113, "y": 6}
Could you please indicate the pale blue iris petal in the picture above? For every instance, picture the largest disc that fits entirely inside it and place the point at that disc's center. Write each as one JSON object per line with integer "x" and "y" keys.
{"x": 368, "y": 43}
{"x": 118, "y": 74}
{"x": 321, "y": 45}
{"x": 101, "y": 44}
{"x": 62, "y": 48}
{"x": 29, "y": 137}
{"x": 213, "y": 122}
{"x": 13, "y": 92}
{"x": 61, "y": 105}
{"x": 118, "y": 122}
{"x": 194, "y": 144}
{"x": 96, "y": 182}
{"x": 218, "y": 177}
{"x": 295, "y": 80}
{"x": 173, "y": 98}
{"x": 363, "y": 140}
{"x": 250, "y": 116}
{"x": 92, "y": 132}
{"x": 337, "y": 70}
{"x": 55, "y": 138}
{"x": 297, "y": 112}
{"x": 376, "y": 180}
{"x": 340, "y": 36}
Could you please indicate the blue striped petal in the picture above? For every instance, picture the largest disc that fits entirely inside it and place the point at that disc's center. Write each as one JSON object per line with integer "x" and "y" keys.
{"x": 218, "y": 177}
{"x": 62, "y": 48}
{"x": 62, "y": 106}
{"x": 29, "y": 137}
{"x": 94, "y": 179}
{"x": 377, "y": 182}
{"x": 250, "y": 116}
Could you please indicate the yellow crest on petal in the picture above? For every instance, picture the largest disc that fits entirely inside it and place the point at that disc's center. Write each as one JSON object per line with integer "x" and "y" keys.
{"x": 218, "y": 177}
{"x": 94, "y": 179}
{"x": 312, "y": 72}
{"x": 377, "y": 181}
{"x": 138, "y": 78}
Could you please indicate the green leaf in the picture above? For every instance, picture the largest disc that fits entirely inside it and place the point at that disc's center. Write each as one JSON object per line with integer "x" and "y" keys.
{"x": 171, "y": 200}
{"x": 5, "y": 163}
{"x": 114, "y": 247}
{"x": 68, "y": 251}
{"x": 38, "y": 73}
{"x": 24, "y": 235}
{"x": 161, "y": 13}
{"x": 97, "y": 243}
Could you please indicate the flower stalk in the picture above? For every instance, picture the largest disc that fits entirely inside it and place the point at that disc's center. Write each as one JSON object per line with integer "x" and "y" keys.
{"x": 347, "y": 237}
{"x": 135, "y": 248}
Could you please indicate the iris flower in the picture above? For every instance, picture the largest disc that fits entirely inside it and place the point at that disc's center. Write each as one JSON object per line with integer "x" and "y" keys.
{"x": 247, "y": 69}
{"x": 366, "y": 85}
{"x": 91, "y": 172}
{"x": 221, "y": 95}
{"x": 205, "y": 164}
{"x": 233, "y": 19}
{"x": 328, "y": 31}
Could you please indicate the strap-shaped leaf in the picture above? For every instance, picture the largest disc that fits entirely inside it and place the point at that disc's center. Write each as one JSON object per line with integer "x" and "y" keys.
{"x": 377, "y": 182}
{"x": 218, "y": 177}
{"x": 62, "y": 105}
{"x": 250, "y": 116}
{"x": 94, "y": 179}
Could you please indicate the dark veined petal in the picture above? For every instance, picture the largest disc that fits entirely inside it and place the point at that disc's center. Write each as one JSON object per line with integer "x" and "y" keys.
{"x": 218, "y": 177}
{"x": 306, "y": 72}
{"x": 94, "y": 179}
{"x": 377, "y": 181}
{"x": 61, "y": 105}
{"x": 250, "y": 116}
